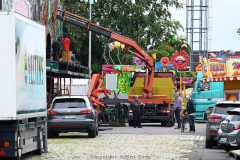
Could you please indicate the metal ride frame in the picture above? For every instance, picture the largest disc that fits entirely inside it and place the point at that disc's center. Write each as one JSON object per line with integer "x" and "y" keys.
{"x": 64, "y": 70}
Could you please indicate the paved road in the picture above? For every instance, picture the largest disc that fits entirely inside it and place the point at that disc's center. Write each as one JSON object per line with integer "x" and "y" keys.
{"x": 151, "y": 142}
{"x": 154, "y": 128}
{"x": 199, "y": 151}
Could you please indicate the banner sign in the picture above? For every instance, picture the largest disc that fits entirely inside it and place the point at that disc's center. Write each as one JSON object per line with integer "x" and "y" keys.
{"x": 217, "y": 68}
{"x": 232, "y": 65}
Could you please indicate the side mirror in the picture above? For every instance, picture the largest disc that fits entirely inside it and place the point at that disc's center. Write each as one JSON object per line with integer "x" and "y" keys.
{"x": 208, "y": 112}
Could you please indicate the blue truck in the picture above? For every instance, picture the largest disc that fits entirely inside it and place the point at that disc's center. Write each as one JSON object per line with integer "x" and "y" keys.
{"x": 206, "y": 94}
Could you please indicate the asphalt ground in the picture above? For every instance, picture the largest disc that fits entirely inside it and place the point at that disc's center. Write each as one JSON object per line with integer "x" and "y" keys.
{"x": 199, "y": 151}
{"x": 152, "y": 141}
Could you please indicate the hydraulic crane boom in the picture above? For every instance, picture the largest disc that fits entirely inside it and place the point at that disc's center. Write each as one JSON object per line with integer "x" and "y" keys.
{"x": 129, "y": 43}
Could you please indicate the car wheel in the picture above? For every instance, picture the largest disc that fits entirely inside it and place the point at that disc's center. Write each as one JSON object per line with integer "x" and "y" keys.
{"x": 164, "y": 123}
{"x": 227, "y": 148}
{"x": 209, "y": 144}
{"x": 130, "y": 123}
{"x": 40, "y": 144}
{"x": 92, "y": 133}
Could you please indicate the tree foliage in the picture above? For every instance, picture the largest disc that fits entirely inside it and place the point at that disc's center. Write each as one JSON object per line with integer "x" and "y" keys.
{"x": 145, "y": 21}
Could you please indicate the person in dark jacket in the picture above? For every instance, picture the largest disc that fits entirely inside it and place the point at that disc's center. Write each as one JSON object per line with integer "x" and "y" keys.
{"x": 136, "y": 112}
{"x": 191, "y": 112}
{"x": 56, "y": 46}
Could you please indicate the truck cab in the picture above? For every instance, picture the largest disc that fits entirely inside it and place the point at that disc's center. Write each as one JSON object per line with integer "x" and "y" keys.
{"x": 205, "y": 95}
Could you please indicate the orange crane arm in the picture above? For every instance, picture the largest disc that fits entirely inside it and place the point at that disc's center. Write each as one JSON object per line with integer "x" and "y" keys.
{"x": 129, "y": 43}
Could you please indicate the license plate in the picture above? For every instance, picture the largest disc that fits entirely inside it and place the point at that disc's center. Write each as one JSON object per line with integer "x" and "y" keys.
{"x": 69, "y": 117}
{"x": 223, "y": 139}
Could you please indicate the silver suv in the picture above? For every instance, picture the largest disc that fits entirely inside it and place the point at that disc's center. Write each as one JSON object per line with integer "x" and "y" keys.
{"x": 218, "y": 115}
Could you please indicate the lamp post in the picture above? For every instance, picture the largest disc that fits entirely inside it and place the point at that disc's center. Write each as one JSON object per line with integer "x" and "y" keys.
{"x": 89, "y": 56}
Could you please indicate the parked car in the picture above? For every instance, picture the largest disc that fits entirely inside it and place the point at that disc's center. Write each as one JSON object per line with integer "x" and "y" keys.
{"x": 72, "y": 114}
{"x": 229, "y": 132}
{"x": 218, "y": 115}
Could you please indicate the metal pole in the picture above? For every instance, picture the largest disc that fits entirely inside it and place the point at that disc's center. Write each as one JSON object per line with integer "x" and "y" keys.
{"x": 64, "y": 86}
{"x": 89, "y": 60}
{"x": 180, "y": 83}
{"x": 51, "y": 89}
{"x": 58, "y": 85}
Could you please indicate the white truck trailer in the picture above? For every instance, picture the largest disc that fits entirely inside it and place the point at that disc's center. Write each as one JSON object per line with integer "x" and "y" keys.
{"x": 23, "y": 86}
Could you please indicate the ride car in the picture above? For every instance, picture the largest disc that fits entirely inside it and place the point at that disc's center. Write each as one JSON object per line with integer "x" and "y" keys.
{"x": 72, "y": 114}
{"x": 229, "y": 132}
{"x": 219, "y": 113}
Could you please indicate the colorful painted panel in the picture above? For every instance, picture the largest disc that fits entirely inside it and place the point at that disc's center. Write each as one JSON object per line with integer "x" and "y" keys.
{"x": 232, "y": 64}
{"x": 37, "y": 10}
{"x": 205, "y": 70}
{"x": 161, "y": 68}
{"x": 231, "y": 95}
{"x": 217, "y": 68}
{"x": 31, "y": 80}
{"x": 124, "y": 75}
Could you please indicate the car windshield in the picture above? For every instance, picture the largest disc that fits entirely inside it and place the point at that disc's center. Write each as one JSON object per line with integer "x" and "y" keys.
{"x": 69, "y": 103}
{"x": 233, "y": 118}
{"x": 223, "y": 108}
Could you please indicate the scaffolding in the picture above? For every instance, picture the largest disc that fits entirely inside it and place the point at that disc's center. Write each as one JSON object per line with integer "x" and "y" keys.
{"x": 198, "y": 29}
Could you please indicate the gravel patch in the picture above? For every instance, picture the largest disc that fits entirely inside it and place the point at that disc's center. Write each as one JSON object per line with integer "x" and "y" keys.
{"x": 118, "y": 146}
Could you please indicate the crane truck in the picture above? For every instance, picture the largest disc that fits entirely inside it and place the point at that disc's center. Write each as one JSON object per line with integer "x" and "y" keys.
{"x": 154, "y": 89}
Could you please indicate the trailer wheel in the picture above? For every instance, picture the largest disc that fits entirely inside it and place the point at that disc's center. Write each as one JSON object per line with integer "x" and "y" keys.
{"x": 19, "y": 147}
{"x": 40, "y": 143}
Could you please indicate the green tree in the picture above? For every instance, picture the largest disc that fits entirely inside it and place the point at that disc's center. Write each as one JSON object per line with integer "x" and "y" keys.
{"x": 146, "y": 21}
{"x": 167, "y": 48}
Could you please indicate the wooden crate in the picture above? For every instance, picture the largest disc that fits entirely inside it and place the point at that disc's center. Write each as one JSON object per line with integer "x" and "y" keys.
{"x": 67, "y": 56}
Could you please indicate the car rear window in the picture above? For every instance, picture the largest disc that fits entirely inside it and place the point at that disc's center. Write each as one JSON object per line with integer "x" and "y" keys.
{"x": 69, "y": 103}
{"x": 233, "y": 118}
{"x": 223, "y": 108}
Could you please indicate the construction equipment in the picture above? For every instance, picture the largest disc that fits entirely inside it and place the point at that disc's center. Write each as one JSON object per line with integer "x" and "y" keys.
{"x": 129, "y": 43}
{"x": 161, "y": 105}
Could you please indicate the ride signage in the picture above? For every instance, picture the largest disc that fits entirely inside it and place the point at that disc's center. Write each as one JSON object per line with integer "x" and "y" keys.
{"x": 217, "y": 68}
{"x": 232, "y": 65}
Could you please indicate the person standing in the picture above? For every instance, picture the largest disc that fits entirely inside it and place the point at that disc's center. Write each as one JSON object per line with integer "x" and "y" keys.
{"x": 191, "y": 113}
{"x": 177, "y": 108}
{"x": 136, "y": 112}
{"x": 66, "y": 42}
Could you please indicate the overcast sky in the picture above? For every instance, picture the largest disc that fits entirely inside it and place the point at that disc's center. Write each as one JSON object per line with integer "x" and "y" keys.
{"x": 225, "y": 23}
